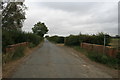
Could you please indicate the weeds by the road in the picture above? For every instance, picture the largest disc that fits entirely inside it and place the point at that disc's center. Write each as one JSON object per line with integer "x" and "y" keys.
{"x": 12, "y": 65}
{"x": 19, "y": 52}
{"x": 101, "y": 58}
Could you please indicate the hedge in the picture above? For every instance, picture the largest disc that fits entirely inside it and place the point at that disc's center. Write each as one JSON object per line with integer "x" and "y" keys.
{"x": 10, "y": 37}
{"x": 93, "y": 39}
{"x": 72, "y": 40}
{"x": 56, "y": 39}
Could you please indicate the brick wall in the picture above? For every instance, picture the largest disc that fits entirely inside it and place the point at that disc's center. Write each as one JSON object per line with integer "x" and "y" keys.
{"x": 12, "y": 48}
{"x": 112, "y": 52}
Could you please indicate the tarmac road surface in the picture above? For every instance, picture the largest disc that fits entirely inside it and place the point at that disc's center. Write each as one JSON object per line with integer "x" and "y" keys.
{"x": 52, "y": 61}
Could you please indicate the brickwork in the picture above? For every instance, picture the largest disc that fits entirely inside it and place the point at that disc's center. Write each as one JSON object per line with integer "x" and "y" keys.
{"x": 11, "y": 48}
{"x": 112, "y": 52}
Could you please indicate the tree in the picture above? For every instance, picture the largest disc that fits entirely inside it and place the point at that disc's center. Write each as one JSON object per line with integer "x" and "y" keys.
{"x": 40, "y": 29}
{"x": 13, "y": 15}
{"x": 47, "y": 36}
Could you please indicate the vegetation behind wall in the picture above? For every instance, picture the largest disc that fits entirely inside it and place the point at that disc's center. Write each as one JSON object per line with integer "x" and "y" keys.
{"x": 10, "y": 37}
{"x": 56, "y": 39}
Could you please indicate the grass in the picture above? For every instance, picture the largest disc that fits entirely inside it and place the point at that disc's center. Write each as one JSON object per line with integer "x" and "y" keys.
{"x": 31, "y": 45}
{"x": 19, "y": 52}
{"x": 114, "y": 43}
{"x": 100, "y": 58}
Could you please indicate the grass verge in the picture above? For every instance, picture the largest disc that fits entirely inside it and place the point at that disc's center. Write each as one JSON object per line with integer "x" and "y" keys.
{"x": 10, "y": 67}
{"x": 101, "y": 58}
{"x": 11, "y": 56}
{"x": 19, "y": 52}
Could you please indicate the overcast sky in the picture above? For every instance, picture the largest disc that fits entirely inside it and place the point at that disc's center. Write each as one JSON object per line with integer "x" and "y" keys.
{"x": 65, "y": 18}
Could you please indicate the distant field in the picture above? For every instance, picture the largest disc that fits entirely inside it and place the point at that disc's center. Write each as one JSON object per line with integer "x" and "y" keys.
{"x": 115, "y": 43}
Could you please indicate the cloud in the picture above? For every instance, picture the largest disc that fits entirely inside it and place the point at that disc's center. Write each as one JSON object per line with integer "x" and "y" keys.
{"x": 64, "y": 18}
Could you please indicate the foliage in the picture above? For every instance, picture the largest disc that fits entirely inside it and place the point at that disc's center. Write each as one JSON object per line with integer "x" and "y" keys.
{"x": 33, "y": 38}
{"x": 13, "y": 37}
{"x": 101, "y": 58}
{"x": 13, "y": 15}
{"x": 93, "y": 39}
{"x": 56, "y": 39}
{"x": 104, "y": 59}
{"x": 31, "y": 45}
{"x": 40, "y": 29}
{"x": 47, "y": 36}
{"x": 19, "y": 52}
{"x": 72, "y": 40}
{"x": 118, "y": 57}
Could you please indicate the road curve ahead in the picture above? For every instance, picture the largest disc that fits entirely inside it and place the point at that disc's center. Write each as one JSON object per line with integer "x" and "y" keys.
{"x": 51, "y": 61}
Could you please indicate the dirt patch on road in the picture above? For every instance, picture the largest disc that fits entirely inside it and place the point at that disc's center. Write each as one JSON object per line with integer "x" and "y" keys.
{"x": 102, "y": 67}
{"x": 9, "y": 68}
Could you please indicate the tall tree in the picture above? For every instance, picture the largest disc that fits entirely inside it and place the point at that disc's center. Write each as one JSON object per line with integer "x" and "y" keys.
{"x": 13, "y": 15}
{"x": 40, "y": 29}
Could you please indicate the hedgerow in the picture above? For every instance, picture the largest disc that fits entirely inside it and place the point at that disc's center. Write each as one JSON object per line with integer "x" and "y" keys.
{"x": 10, "y": 37}
{"x": 93, "y": 39}
{"x": 56, "y": 39}
{"x": 72, "y": 40}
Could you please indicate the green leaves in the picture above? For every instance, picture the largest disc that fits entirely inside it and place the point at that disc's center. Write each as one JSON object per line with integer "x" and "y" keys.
{"x": 13, "y": 37}
{"x": 56, "y": 39}
{"x": 93, "y": 39}
{"x": 13, "y": 15}
{"x": 40, "y": 29}
{"x": 72, "y": 40}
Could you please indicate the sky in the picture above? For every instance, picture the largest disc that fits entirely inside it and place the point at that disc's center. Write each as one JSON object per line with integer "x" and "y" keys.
{"x": 72, "y": 17}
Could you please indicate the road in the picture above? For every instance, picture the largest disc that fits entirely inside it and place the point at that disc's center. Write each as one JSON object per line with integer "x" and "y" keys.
{"x": 52, "y": 61}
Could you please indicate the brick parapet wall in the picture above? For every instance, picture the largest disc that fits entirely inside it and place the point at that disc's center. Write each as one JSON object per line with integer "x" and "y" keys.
{"x": 11, "y": 48}
{"x": 112, "y": 52}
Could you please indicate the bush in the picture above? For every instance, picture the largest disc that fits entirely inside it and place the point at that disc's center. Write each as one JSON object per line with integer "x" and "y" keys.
{"x": 72, "y": 40}
{"x": 30, "y": 37}
{"x": 118, "y": 58}
{"x": 31, "y": 45}
{"x": 104, "y": 59}
{"x": 56, "y": 39}
{"x": 101, "y": 58}
{"x": 19, "y": 52}
{"x": 10, "y": 37}
{"x": 95, "y": 39}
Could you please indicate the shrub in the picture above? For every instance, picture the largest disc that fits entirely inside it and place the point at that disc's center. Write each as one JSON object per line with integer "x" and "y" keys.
{"x": 60, "y": 40}
{"x": 7, "y": 39}
{"x": 56, "y": 39}
{"x": 33, "y": 38}
{"x": 104, "y": 59}
{"x": 95, "y": 39}
{"x": 13, "y": 37}
{"x": 19, "y": 52}
{"x": 118, "y": 58}
{"x": 31, "y": 45}
{"x": 72, "y": 40}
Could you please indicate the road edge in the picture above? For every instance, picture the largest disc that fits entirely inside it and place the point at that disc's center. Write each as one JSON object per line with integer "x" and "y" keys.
{"x": 9, "y": 68}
